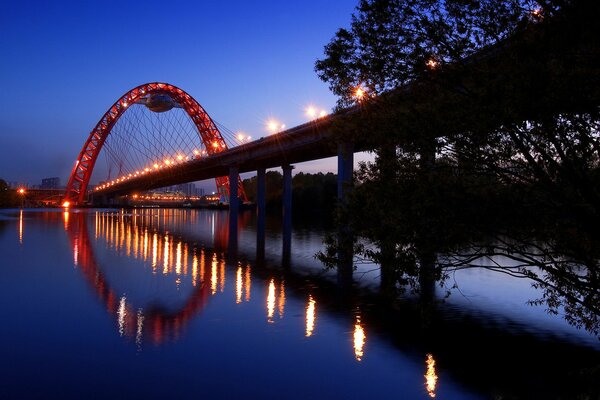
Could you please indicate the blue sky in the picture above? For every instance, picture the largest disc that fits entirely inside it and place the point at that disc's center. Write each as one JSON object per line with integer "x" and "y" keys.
{"x": 64, "y": 63}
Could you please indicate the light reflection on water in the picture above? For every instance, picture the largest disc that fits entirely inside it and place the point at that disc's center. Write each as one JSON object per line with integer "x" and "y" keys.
{"x": 311, "y": 316}
{"x": 120, "y": 253}
{"x": 360, "y": 337}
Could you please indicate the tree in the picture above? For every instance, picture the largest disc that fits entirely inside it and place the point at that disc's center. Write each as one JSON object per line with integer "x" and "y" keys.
{"x": 393, "y": 42}
{"x": 506, "y": 94}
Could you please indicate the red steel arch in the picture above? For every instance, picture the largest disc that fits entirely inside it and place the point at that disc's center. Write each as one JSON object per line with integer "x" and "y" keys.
{"x": 84, "y": 166}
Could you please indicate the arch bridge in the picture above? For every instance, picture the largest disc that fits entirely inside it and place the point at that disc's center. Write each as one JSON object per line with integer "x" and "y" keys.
{"x": 146, "y": 149}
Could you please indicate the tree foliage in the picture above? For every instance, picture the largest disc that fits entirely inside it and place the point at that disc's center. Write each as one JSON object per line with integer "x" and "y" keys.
{"x": 311, "y": 193}
{"x": 392, "y": 42}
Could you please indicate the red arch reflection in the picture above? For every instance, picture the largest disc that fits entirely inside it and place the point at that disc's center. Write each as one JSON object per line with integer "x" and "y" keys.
{"x": 159, "y": 325}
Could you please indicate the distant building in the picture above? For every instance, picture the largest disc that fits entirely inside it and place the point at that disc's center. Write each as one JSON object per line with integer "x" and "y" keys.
{"x": 50, "y": 183}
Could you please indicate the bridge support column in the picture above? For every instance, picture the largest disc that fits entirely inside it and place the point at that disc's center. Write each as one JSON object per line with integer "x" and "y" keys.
{"x": 261, "y": 185}
{"x": 234, "y": 206}
{"x": 345, "y": 169}
{"x": 345, "y": 239}
{"x": 287, "y": 209}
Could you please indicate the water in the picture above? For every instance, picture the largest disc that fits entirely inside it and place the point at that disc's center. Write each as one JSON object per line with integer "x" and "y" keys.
{"x": 163, "y": 303}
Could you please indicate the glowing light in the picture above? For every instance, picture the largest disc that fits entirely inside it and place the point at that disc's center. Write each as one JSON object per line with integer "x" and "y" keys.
{"x": 310, "y": 316}
{"x": 178, "y": 259}
{"x": 430, "y": 376}
{"x": 248, "y": 138}
{"x": 194, "y": 269}
{"x": 21, "y": 227}
{"x": 146, "y": 169}
{"x": 21, "y": 191}
{"x": 124, "y": 104}
{"x": 167, "y": 162}
{"x": 215, "y": 144}
{"x": 248, "y": 282}
{"x": 281, "y": 299}
{"x": 180, "y": 157}
{"x": 537, "y": 13}
{"x": 196, "y": 152}
{"x": 213, "y": 275}
{"x": 154, "y": 252}
{"x": 271, "y": 301}
{"x": 359, "y": 93}
{"x": 322, "y": 114}
{"x": 222, "y": 276}
{"x": 121, "y": 315}
{"x": 432, "y": 63}
{"x": 66, "y": 204}
{"x": 166, "y": 256}
{"x": 238, "y": 286}
{"x": 311, "y": 112}
{"x": 275, "y": 126}
{"x": 155, "y": 166}
{"x": 359, "y": 340}
{"x": 240, "y": 137}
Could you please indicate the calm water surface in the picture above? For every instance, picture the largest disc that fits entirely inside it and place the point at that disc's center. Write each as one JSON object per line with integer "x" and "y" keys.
{"x": 164, "y": 304}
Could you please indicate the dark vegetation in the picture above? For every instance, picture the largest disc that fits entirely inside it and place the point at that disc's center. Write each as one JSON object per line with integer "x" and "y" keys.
{"x": 8, "y": 196}
{"x": 312, "y": 194}
{"x": 484, "y": 117}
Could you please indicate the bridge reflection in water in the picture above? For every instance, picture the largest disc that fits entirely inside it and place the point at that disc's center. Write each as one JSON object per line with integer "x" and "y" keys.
{"x": 145, "y": 236}
{"x": 182, "y": 258}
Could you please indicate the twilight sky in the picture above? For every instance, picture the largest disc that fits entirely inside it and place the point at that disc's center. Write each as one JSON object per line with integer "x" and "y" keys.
{"x": 65, "y": 62}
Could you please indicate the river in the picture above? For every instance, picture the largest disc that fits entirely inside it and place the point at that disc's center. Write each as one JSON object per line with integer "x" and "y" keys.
{"x": 158, "y": 303}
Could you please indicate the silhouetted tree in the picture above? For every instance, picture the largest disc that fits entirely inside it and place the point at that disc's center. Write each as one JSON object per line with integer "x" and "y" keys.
{"x": 7, "y": 195}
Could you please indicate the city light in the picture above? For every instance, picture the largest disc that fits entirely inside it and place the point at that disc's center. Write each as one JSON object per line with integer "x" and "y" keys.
{"x": 66, "y": 204}
{"x": 21, "y": 191}
{"x": 180, "y": 157}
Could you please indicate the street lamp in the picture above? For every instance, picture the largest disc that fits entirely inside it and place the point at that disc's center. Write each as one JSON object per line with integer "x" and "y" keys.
{"x": 22, "y": 193}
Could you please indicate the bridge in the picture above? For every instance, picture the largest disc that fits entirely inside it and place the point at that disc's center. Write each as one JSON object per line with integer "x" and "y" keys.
{"x": 195, "y": 152}
{"x": 157, "y": 135}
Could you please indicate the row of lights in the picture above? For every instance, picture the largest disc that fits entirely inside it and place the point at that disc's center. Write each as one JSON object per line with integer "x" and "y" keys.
{"x": 272, "y": 125}
{"x": 359, "y": 93}
{"x": 178, "y": 159}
